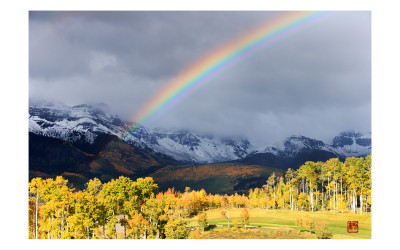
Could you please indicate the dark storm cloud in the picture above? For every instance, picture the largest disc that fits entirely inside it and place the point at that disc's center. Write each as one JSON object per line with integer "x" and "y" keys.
{"x": 154, "y": 44}
{"x": 314, "y": 82}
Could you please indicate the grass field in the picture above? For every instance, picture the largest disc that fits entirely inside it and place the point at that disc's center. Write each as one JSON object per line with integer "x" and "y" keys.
{"x": 275, "y": 222}
{"x": 224, "y": 233}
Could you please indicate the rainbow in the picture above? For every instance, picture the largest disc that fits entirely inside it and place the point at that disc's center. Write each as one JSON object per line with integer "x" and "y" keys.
{"x": 218, "y": 60}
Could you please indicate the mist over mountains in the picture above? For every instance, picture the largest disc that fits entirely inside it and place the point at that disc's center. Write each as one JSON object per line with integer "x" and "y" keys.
{"x": 308, "y": 83}
{"x": 83, "y": 142}
{"x": 84, "y": 123}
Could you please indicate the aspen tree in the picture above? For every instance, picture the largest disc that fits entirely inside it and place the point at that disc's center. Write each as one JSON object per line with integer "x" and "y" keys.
{"x": 202, "y": 221}
{"x": 35, "y": 187}
{"x": 245, "y": 217}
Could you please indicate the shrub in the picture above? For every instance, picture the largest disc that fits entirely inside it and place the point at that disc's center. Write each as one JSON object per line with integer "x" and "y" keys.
{"x": 235, "y": 224}
{"x": 245, "y": 216}
{"x": 176, "y": 229}
{"x": 299, "y": 223}
{"x": 195, "y": 234}
{"x": 202, "y": 221}
{"x": 321, "y": 230}
{"x": 308, "y": 225}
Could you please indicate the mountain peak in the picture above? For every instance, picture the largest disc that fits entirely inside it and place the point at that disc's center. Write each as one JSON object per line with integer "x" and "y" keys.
{"x": 350, "y": 133}
{"x": 350, "y": 138}
{"x": 351, "y": 143}
{"x": 83, "y": 123}
{"x": 299, "y": 140}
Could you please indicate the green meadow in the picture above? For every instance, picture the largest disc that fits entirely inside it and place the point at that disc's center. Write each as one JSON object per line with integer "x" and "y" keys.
{"x": 281, "y": 224}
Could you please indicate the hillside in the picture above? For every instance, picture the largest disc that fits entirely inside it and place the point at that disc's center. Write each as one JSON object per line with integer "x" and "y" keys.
{"x": 109, "y": 157}
{"x": 106, "y": 158}
{"x": 214, "y": 178}
{"x": 85, "y": 126}
{"x": 82, "y": 142}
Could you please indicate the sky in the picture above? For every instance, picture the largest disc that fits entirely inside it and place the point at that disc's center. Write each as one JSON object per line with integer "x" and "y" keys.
{"x": 314, "y": 82}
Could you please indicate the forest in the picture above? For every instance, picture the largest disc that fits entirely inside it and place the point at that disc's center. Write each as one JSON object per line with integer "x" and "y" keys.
{"x": 140, "y": 211}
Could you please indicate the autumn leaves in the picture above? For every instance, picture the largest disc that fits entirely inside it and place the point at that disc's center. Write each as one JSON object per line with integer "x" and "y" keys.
{"x": 319, "y": 186}
{"x": 128, "y": 209}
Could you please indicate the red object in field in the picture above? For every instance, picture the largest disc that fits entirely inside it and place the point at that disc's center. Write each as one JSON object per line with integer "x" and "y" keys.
{"x": 352, "y": 226}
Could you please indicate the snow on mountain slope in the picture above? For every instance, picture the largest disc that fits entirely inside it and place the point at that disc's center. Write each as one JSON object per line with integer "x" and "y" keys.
{"x": 294, "y": 144}
{"x": 72, "y": 124}
{"x": 84, "y": 123}
{"x": 347, "y": 144}
{"x": 350, "y": 143}
{"x": 187, "y": 146}
{"x": 184, "y": 145}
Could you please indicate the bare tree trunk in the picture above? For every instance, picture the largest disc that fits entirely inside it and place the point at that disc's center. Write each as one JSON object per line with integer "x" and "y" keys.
{"x": 329, "y": 194}
{"x": 115, "y": 227}
{"x": 336, "y": 196}
{"x": 322, "y": 205}
{"x": 36, "y": 215}
{"x": 322, "y": 195}
{"x": 312, "y": 199}
{"x": 124, "y": 228}
{"x": 62, "y": 223}
{"x": 58, "y": 216}
{"x": 51, "y": 227}
{"x": 361, "y": 199}
{"x": 354, "y": 201}
{"x": 104, "y": 228}
{"x": 48, "y": 230}
{"x": 341, "y": 193}
{"x": 355, "y": 198}
{"x": 227, "y": 214}
{"x": 274, "y": 198}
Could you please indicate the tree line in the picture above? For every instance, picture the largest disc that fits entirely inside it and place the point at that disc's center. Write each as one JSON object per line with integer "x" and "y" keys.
{"x": 319, "y": 186}
{"x": 58, "y": 211}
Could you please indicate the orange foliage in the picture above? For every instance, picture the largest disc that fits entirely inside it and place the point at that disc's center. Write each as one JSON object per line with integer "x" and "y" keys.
{"x": 122, "y": 169}
{"x": 195, "y": 173}
{"x": 94, "y": 164}
{"x": 72, "y": 174}
{"x": 39, "y": 174}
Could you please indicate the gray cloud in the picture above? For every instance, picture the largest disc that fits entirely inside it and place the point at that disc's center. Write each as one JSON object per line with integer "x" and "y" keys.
{"x": 315, "y": 82}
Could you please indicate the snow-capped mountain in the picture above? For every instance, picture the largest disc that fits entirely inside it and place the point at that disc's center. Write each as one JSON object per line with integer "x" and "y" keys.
{"x": 348, "y": 143}
{"x": 85, "y": 123}
{"x": 72, "y": 124}
{"x": 351, "y": 143}
{"x": 294, "y": 144}
{"x": 295, "y": 150}
{"x": 184, "y": 145}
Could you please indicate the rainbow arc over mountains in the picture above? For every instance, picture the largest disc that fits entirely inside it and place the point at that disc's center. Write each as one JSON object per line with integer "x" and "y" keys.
{"x": 216, "y": 61}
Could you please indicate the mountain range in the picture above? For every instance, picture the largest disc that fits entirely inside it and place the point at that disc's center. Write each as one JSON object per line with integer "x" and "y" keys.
{"x": 84, "y": 123}
{"x": 84, "y": 141}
